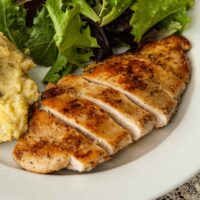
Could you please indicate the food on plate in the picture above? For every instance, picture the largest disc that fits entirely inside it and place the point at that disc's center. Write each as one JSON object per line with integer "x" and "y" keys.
{"x": 17, "y": 90}
{"x": 111, "y": 104}
{"x": 87, "y": 117}
{"x": 141, "y": 80}
{"x": 169, "y": 53}
{"x": 67, "y": 34}
{"x": 148, "y": 95}
{"x": 51, "y": 145}
{"x": 144, "y": 67}
{"x": 128, "y": 114}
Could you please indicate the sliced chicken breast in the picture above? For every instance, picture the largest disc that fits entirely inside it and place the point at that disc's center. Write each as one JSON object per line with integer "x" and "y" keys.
{"x": 141, "y": 91}
{"x": 86, "y": 117}
{"x": 147, "y": 70}
{"x": 50, "y": 145}
{"x": 164, "y": 62}
{"x": 137, "y": 120}
{"x": 169, "y": 53}
{"x": 83, "y": 120}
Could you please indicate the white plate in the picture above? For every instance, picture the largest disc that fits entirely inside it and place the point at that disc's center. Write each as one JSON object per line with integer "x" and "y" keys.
{"x": 153, "y": 166}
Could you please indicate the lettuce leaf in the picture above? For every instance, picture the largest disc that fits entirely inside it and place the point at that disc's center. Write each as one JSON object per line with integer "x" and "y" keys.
{"x": 72, "y": 37}
{"x": 85, "y": 9}
{"x": 31, "y": 6}
{"x": 54, "y": 73}
{"x": 111, "y": 9}
{"x": 41, "y": 41}
{"x": 148, "y": 13}
{"x": 13, "y": 22}
{"x": 57, "y": 32}
{"x": 174, "y": 23}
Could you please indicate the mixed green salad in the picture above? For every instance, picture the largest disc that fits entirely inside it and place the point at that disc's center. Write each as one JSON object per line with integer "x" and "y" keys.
{"x": 66, "y": 34}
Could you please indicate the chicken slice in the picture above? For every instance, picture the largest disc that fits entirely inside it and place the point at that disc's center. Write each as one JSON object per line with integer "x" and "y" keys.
{"x": 50, "y": 145}
{"x": 172, "y": 85}
{"x": 86, "y": 117}
{"x": 130, "y": 116}
{"x": 141, "y": 91}
{"x": 169, "y": 53}
{"x": 164, "y": 62}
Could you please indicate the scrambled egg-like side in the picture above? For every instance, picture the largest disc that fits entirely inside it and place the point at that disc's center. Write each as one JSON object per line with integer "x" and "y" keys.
{"x": 17, "y": 90}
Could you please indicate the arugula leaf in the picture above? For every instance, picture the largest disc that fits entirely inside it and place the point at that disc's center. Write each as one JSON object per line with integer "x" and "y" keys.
{"x": 41, "y": 42}
{"x": 13, "y": 22}
{"x": 111, "y": 9}
{"x": 148, "y": 13}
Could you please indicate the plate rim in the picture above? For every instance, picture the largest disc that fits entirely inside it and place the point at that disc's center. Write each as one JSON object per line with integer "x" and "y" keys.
{"x": 181, "y": 176}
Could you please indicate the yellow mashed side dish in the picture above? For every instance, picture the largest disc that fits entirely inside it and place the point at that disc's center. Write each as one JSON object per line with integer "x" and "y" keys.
{"x": 17, "y": 90}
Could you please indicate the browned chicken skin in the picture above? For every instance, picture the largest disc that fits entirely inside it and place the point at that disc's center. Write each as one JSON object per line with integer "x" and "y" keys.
{"x": 126, "y": 113}
{"x": 143, "y": 92}
{"x": 87, "y": 117}
{"x": 51, "y": 145}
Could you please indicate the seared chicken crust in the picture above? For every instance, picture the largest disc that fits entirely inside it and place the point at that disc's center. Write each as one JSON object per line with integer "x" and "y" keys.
{"x": 153, "y": 77}
{"x": 141, "y": 91}
{"x": 87, "y": 117}
{"x": 130, "y": 116}
{"x": 143, "y": 67}
{"x": 50, "y": 145}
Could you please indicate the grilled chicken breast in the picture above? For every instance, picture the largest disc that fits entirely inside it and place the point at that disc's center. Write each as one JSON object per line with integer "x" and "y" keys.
{"x": 167, "y": 81}
{"x": 137, "y": 120}
{"x": 154, "y": 77}
{"x": 141, "y": 91}
{"x": 87, "y": 117}
{"x": 51, "y": 145}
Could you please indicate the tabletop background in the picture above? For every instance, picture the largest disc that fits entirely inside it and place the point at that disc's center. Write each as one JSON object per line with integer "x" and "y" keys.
{"x": 189, "y": 191}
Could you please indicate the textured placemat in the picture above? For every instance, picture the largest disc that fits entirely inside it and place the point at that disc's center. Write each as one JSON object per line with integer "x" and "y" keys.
{"x": 189, "y": 191}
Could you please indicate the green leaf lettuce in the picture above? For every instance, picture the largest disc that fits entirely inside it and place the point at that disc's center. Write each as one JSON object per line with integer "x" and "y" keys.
{"x": 111, "y": 9}
{"x": 13, "y": 22}
{"x": 149, "y": 13}
{"x": 72, "y": 35}
{"x": 41, "y": 41}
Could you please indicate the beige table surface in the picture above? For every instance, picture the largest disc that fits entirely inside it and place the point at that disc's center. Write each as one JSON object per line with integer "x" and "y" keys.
{"x": 189, "y": 191}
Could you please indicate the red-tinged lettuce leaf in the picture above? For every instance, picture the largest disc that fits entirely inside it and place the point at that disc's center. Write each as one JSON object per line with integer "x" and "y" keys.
{"x": 105, "y": 49}
{"x": 31, "y": 6}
